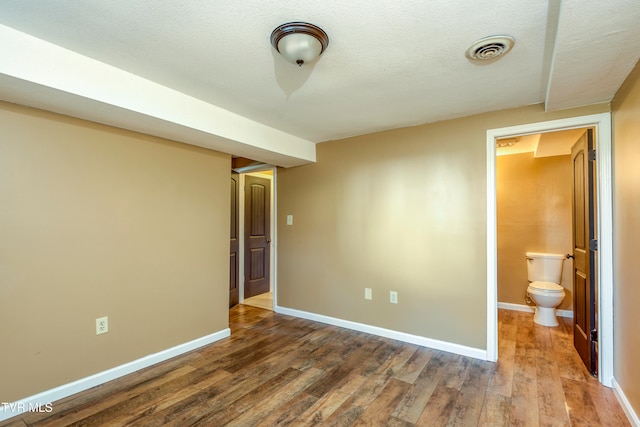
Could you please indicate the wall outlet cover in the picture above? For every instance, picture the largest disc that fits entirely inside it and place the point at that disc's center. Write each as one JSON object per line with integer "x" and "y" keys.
{"x": 393, "y": 297}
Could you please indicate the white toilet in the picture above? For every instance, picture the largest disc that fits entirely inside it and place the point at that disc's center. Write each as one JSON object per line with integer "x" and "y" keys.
{"x": 545, "y": 273}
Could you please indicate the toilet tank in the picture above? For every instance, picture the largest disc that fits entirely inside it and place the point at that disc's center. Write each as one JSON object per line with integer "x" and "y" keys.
{"x": 543, "y": 267}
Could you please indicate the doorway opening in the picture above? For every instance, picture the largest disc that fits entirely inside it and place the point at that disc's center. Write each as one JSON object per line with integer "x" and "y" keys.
{"x": 601, "y": 123}
{"x": 542, "y": 219}
{"x": 252, "y": 267}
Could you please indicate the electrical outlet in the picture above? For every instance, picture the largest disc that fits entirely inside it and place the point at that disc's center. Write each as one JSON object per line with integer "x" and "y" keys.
{"x": 367, "y": 293}
{"x": 102, "y": 325}
{"x": 393, "y": 297}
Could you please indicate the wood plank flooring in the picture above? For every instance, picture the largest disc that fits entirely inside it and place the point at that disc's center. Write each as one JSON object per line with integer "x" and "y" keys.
{"x": 280, "y": 370}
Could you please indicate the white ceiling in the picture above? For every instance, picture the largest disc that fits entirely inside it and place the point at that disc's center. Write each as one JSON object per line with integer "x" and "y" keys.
{"x": 203, "y": 72}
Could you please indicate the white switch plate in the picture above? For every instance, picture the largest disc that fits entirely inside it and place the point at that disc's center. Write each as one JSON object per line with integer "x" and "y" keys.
{"x": 289, "y": 219}
{"x": 367, "y": 293}
{"x": 393, "y": 297}
{"x": 102, "y": 325}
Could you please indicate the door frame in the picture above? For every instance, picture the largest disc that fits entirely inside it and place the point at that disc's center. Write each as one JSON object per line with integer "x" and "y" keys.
{"x": 272, "y": 274}
{"x": 604, "y": 207}
{"x": 235, "y": 216}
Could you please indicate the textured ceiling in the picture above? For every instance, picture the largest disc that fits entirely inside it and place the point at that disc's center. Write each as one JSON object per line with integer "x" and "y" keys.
{"x": 388, "y": 64}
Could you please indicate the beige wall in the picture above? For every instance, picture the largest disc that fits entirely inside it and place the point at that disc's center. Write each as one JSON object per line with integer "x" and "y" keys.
{"x": 534, "y": 214}
{"x": 402, "y": 210}
{"x": 626, "y": 147}
{"x": 96, "y": 221}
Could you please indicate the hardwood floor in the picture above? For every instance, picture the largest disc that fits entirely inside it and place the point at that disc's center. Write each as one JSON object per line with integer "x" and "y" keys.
{"x": 279, "y": 370}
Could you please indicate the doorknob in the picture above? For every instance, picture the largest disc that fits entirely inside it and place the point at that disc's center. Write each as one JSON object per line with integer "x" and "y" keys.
{"x": 268, "y": 240}
{"x": 570, "y": 256}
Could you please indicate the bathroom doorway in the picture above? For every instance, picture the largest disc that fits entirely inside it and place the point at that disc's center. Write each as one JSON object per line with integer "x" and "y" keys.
{"x": 545, "y": 200}
{"x": 601, "y": 123}
{"x": 534, "y": 205}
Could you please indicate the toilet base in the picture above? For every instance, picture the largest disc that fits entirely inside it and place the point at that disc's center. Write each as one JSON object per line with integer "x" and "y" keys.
{"x": 545, "y": 316}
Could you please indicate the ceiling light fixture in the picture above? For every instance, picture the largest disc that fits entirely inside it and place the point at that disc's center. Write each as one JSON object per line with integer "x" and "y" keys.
{"x": 299, "y": 42}
{"x": 490, "y": 47}
{"x": 507, "y": 142}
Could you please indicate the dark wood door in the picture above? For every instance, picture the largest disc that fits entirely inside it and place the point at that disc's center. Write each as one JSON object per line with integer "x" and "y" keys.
{"x": 234, "y": 294}
{"x": 584, "y": 252}
{"x": 257, "y": 226}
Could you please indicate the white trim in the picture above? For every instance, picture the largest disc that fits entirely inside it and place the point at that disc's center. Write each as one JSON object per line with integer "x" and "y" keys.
{"x": 65, "y": 390}
{"x": 387, "y": 333}
{"x": 604, "y": 170}
{"x": 529, "y": 309}
{"x": 626, "y": 405}
{"x": 492, "y": 252}
{"x": 272, "y": 231}
{"x": 274, "y": 237}
{"x": 602, "y": 124}
{"x": 241, "y": 238}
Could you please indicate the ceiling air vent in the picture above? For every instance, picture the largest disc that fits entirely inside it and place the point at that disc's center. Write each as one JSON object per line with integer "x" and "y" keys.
{"x": 490, "y": 48}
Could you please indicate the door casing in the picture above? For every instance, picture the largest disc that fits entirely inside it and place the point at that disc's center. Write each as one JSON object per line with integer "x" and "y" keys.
{"x": 234, "y": 246}
{"x": 602, "y": 125}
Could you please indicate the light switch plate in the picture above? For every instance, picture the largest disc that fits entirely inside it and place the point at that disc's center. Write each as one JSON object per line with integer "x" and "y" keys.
{"x": 102, "y": 325}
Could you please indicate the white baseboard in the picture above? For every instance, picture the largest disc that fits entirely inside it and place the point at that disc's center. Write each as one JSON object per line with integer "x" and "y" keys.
{"x": 387, "y": 333}
{"x": 42, "y": 402}
{"x": 529, "y": 309}
{"x": 626, "y": 406}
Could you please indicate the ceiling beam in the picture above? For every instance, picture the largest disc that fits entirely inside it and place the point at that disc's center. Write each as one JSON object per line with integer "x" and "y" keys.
{"x": 39, "y": 74}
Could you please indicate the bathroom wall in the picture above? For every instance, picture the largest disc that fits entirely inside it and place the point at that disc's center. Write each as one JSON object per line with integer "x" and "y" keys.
{"x": 534, "y": 214}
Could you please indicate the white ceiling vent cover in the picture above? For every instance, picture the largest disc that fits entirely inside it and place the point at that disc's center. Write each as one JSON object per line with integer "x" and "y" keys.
{"x": 490, "y": 48}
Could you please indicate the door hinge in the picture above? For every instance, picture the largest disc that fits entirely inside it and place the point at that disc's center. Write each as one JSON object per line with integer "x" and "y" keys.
{"x": 594, "y": 335}
{"x": 593, "y": 245}
{"x": 592, "y": 155}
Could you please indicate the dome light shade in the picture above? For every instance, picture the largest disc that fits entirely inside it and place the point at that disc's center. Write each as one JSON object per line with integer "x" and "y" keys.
{"x": 299, "y": 42}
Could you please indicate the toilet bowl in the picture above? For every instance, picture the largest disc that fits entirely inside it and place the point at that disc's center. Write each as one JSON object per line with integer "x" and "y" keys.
{"x": 544, "y": 272}
{"x": 547, "y": 296}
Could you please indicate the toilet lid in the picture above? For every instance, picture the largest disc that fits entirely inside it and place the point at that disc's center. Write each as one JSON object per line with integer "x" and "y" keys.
{"x": 547, "y": 286}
